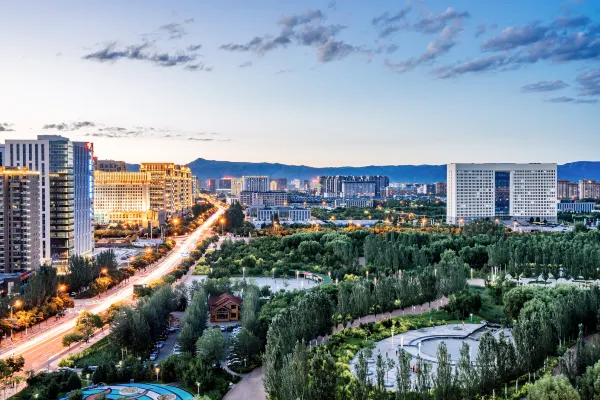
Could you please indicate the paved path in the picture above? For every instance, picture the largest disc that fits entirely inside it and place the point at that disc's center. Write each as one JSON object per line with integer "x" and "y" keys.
{"x": 252, "y": 388}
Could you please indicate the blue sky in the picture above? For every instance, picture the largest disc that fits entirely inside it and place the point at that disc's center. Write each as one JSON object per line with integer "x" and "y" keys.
{"x": 315, "y": 82}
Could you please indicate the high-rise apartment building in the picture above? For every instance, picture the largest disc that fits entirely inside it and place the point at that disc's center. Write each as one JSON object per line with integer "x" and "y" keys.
{"x": 2, "y": 151}
{"x": 20, "y": 220}
{"x": 589, "y": 189}
{"x": 440, "y": 188}
{"x": 567, "y": 190}
{"x": 54, "y": 157}
{"x": 170, "y": 188}
{"x": 110, "y": 165}
{"x": 358, "y": 189}
{"x": 255, "y": 183}
{"x": 515, "y": 191}
{"x": 331, "y": 186}
{"x": 122, "y": 197}
{"x": 195, "y": 186}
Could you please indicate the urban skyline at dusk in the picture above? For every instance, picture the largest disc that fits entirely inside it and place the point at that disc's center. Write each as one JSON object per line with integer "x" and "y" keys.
{"x": 316, "y": 84}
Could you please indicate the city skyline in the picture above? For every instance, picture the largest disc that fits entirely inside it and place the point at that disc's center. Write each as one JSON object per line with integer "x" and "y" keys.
{"x": 316, "y": 84}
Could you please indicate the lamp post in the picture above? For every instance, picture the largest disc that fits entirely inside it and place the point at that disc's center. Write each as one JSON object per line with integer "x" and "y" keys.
{"x": 198, "y": 385}
{"x": 157, "y": 370}
{"x": 17, "y": 304}
{"x": 273, "y": 271}
{"x": 222, "y": 222}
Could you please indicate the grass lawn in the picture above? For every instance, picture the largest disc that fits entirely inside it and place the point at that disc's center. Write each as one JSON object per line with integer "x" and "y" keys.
{"x": 490, "y": 310}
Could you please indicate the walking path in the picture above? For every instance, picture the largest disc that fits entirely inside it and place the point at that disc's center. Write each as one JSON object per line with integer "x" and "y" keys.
{"x": 252, "y": 388}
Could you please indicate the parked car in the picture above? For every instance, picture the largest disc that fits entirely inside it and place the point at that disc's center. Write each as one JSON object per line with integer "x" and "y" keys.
{"x": 160, "y": 344}
{"x": 153, "y": 357}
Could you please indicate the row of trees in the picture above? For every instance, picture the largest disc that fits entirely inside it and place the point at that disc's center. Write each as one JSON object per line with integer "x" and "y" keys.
{"x": 137, "y": 329}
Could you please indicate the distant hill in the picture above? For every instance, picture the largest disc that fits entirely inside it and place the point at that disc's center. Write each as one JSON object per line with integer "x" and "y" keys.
{"x": 210, "y": 169}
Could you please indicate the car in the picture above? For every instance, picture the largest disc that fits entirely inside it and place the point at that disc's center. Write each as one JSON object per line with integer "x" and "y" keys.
{"x": 66, "y": 369}
{"x": 176, "y": 352}
{"x": 153, "y": 357}
{"x": 160, "y": 344}
{"x": 236, "y": 363}
{"x": 223, "y": 329}
{"x": 230, "y": 328}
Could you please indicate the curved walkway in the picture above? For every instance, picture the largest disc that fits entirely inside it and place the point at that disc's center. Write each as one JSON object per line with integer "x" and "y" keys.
{"x": 252, "y": 388}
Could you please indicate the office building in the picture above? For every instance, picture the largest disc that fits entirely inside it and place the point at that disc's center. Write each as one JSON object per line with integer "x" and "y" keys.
{"x": 20, "y": 220}
{"x": 358, "y": 189}
{"x": 170, "y": 188}
{"x": 269, "y": 199}
{"x": 589, "y": 189}
{"x": 331, "y": 186}
{"x": 83, "y": 173}
{"x": 122, "y": 197}
{"x": 440, "y": 189}
{"x": 109, "y": 165}
{"x": 255, "y": 183}
{"x": 567, "y": 190}
{"x": 224, "y": 186}
{"x": 575, "y": 207}
{"x": 504, "y": 191}
{"x": 283, "y": 213}
{"x": 362, "y": 203}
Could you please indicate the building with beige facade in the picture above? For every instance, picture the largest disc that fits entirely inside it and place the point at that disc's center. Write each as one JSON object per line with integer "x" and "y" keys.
{"x": 20, "y": 219}
{"x": 122, "y": 197}
{"x": 171, "y": 188}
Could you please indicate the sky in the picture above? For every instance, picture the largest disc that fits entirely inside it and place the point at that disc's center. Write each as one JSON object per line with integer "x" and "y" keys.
{"x": 320, "y": 83}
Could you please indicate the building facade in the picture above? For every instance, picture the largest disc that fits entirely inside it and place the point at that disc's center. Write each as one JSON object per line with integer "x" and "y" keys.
{"x": 20, "y": 220}
{"x": 269, "y": 199}
{"x": 83, "y": 173}
{"x": 567, "y": 190}
{"x": 122, "y": 197}
{"x": 170, "y": 188}
{"x": 109, "y": 165}
{"x": 589, "y": 189}
{"x": 362, "y": 203}
{"x": 236, "y": 186}
{"x": 256, "y": 183}
{"x": 358, "y": 189}
{"x": 576, "y": 207}
{"x": 440, "y": 188}
{"x": 504, "y": 191}
{"x": 331, "y": 186}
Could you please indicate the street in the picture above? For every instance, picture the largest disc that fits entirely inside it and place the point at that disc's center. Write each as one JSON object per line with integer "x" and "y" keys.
{"x": 41, "y": 348}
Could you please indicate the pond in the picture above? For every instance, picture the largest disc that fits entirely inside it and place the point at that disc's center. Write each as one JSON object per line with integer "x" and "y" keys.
{"x": 274, "y": 284}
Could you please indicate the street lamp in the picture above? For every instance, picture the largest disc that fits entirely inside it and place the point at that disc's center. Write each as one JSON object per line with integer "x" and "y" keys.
{"x": 60, "y": 288}
{"x": 198, "y": 385}
{"x": 222, "y": 221}
{"x": 104, "y": 271}
{"x": 157, "y": 370}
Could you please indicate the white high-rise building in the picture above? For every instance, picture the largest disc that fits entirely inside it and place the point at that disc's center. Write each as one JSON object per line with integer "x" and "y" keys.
{"x": 503, "y": 191}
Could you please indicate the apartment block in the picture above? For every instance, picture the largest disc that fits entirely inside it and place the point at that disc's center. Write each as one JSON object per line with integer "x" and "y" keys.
{"x": 20, "y": 220}
{"x": 170, "y": 188}
{"x": 122, "y": 197}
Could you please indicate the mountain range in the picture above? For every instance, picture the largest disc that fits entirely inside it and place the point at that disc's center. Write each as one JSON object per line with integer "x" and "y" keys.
{"x": 211, "y": 169}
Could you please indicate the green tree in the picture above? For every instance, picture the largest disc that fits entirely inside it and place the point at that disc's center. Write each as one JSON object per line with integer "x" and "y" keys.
{"x": 443, "y": 379}
{"x": 247, "y": 345}
{"x": 211, "y": 346}
{"x": 552, "y": 388}
{"x": 71, "y": 338}
{"x": 323, "y": 385}
{"x": 403, "y": 382}
{"x": 295, "y": 374}
{"x": 465, "y": 376}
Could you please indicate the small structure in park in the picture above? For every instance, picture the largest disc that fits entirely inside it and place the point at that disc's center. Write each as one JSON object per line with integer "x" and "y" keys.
{"x": 225, "y": 308}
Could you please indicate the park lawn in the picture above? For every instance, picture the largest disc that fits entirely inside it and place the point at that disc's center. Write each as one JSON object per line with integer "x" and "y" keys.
{"x": 93, "y": 355}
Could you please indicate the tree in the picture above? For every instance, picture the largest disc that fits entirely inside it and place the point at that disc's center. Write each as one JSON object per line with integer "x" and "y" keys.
{"x": 403, "y": 382}
{"x": 295, "y": 374}
{"x": 247, "y": 345}
{"x": 552, "y": 388}
{"x": 380, "y": 370}
{"x": 465, "y": 377}
{"x": 589, "y": 384}
{"x": 86, "y": 324}
{"x": 71, "y": 338}
{"x": 443, "y": 380}
{"x": 361, "y": 369}
{"x": 210, "y": 346}
{"x": 423, "y": 372}
{"x": 323, "y": 380}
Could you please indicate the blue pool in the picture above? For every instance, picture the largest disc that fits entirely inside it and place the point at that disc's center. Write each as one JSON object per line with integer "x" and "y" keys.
{"x": 149, "y": 392}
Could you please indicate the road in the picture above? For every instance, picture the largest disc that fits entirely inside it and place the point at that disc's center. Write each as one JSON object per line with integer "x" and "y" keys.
{"x": 46, "y": 346}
